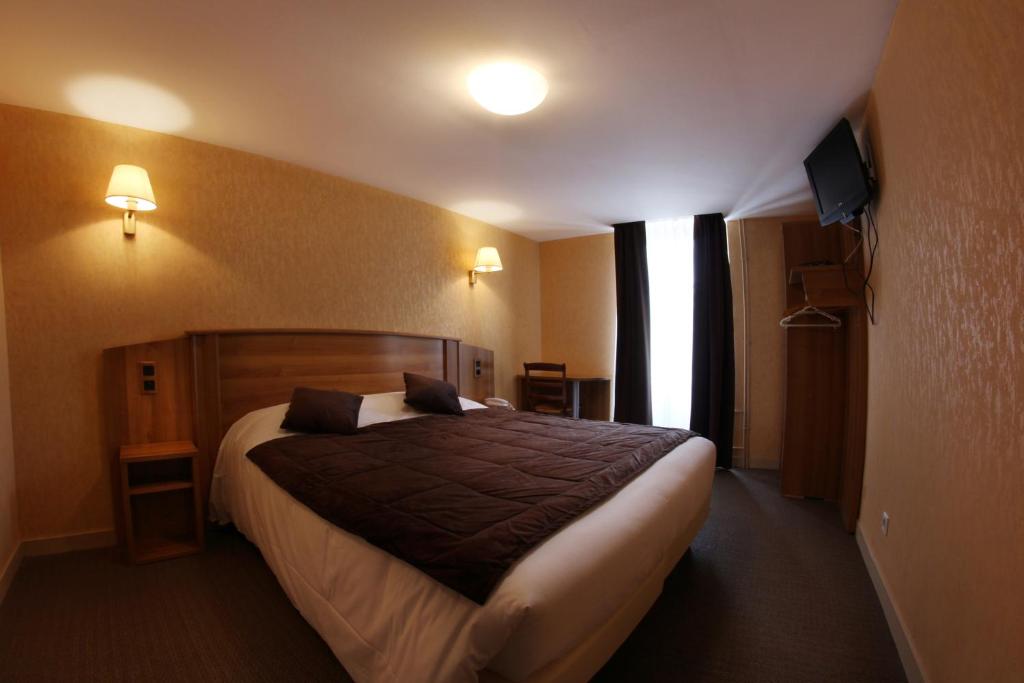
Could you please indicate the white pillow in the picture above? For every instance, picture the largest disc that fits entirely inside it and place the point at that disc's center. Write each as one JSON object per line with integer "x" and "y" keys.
{"x": 392, "y": 406}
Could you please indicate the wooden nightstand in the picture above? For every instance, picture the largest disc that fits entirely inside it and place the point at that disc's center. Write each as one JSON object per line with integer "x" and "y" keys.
{"x": 159, "y": 501}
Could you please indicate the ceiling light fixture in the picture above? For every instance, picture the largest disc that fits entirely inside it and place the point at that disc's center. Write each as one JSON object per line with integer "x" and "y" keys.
{"x": 507, "y": 88}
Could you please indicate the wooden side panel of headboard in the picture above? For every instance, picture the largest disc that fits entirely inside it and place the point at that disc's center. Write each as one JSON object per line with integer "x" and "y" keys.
{"x": 162, "y": 413}
{"x": 137, "y": 414}
{"x": 476, "y": 372}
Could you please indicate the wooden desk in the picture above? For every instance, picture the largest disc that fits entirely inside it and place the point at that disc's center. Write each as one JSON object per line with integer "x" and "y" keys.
{"x": 590, "y": 397}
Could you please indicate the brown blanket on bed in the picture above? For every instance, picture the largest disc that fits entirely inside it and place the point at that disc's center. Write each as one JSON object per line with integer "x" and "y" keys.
{"x": 462, "y": 498}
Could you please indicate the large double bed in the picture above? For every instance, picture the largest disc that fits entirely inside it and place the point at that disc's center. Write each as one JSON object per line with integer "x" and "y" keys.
{"x": 557, "y": 614}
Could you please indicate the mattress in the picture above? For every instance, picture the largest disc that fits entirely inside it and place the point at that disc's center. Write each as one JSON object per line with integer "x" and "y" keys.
{"x": 386, "y": 621}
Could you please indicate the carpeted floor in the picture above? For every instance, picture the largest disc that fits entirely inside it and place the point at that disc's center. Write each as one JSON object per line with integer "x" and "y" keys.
{"x": 772, "y": 590}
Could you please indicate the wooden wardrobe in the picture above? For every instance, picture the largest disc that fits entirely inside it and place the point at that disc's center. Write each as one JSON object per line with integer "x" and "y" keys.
{"x": 826, "y": 369}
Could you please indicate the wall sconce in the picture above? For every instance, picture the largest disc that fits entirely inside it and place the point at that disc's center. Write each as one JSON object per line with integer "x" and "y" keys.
{"x": 129, "y": 189}
{"x": 487, "y": 261}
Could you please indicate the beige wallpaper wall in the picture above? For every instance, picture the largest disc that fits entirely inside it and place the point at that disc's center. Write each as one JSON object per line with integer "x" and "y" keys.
{"x": 578, "y": 304}
{"x": 8, "y": 500}
{"x": 238, "y": 241}
{"x": 945, "y": 441}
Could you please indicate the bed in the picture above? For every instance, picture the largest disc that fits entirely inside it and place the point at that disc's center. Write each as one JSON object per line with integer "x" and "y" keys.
{"x": 557, "y": 615}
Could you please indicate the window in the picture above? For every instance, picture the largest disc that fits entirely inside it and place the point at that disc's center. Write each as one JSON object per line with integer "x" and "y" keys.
{"x": 670, "y": 271}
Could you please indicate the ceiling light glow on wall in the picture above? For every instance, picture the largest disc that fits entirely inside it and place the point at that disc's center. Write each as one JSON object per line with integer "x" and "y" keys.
{"x": 487, "y": 261}
{"x": 130, "y": 189}
{"x": 491, "y": 211}
{"x": 129, "y": 102}
{"x": 507, "y": 88}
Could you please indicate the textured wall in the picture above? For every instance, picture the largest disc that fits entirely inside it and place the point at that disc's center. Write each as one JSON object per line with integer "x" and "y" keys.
{"x": 945, "y": 440}
{"x": 578, "y": 304}
{"x": 238, "y": 241}
{"x": 8, "y": 499}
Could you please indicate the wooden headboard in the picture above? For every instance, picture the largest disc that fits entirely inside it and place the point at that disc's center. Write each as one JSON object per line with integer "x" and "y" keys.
{"x": 241, "y": 371}
{"x": 208, "y": 379}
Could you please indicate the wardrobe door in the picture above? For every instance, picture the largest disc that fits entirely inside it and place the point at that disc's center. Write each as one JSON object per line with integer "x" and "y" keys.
{"x": 813, "y": 442}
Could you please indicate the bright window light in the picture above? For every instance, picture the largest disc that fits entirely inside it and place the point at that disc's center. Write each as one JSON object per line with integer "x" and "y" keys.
{"x": 670, "y": 272}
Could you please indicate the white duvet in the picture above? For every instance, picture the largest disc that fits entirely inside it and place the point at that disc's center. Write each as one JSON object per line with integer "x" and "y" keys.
{"x": 387, "y": 621}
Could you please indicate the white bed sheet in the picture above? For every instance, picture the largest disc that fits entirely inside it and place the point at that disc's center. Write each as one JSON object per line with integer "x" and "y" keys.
{"x": 387, "y": 621}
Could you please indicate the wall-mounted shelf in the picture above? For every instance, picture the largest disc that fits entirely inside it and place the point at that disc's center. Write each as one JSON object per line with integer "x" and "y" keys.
{"x": 825, "y": 287}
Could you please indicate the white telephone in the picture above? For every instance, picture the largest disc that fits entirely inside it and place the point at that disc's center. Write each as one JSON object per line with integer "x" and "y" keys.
{"x": 495, "y": 402}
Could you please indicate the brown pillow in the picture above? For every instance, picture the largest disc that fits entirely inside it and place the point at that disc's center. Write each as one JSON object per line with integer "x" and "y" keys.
{"x": 318, "y": 411}
{"x": 431, "y": 395}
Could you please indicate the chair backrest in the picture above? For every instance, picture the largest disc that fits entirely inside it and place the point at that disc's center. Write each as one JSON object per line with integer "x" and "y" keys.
{"x": 548, "y": 389}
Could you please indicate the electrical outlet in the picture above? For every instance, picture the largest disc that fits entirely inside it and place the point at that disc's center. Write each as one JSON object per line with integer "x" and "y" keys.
{"x": 885, "y": 523}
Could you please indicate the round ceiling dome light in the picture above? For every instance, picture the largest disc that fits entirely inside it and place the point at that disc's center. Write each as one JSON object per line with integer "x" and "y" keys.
{"x": 507, "y": 88}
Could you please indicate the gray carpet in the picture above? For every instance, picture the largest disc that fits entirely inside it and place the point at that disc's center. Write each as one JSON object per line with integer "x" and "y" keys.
{"x": 772, "y": 590}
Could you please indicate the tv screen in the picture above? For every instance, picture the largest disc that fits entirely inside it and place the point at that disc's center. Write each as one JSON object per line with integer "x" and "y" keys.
{"x": 838, "y": 177}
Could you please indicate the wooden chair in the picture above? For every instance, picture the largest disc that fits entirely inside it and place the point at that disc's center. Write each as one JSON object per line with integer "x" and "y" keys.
{"x": 547, "y": 392}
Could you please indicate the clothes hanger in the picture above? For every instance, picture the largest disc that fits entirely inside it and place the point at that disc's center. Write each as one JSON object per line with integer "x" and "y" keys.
{"x": 831, "y": 321}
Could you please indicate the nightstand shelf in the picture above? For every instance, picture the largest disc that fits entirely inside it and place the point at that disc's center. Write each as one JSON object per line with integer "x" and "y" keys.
{"x": 139, "y": 452}
{"x": 159, "y": 487}
{"x": 162, "y": 515}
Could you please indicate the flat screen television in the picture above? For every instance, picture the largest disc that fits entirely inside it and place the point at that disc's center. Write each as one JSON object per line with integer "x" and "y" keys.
{"x": 838, "y": 176}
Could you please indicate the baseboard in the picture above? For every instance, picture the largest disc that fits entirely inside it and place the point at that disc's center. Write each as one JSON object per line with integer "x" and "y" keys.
{"x": 54, "y": 545}
{"x": 759, "y": 462}
{"x": 908, "y": 655}
{"x": 8, "y": 571}
{"x": 739, "y": 457}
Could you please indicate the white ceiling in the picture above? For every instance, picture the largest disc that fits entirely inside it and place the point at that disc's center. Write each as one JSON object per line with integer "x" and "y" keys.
{"x": 657, "y": 108}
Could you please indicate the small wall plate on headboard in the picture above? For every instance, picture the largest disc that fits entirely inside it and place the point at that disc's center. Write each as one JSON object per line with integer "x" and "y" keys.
{"x": 147, "y": 376}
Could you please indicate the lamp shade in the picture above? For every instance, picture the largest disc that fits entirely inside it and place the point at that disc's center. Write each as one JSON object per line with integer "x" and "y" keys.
{"x": 487, "y": 260}
{"x": 129, "y": 189}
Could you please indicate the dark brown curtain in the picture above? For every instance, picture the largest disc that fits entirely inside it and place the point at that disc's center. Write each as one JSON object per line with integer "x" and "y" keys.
{"x": 633, "y": 345}
{"x": 714, "y": 365}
